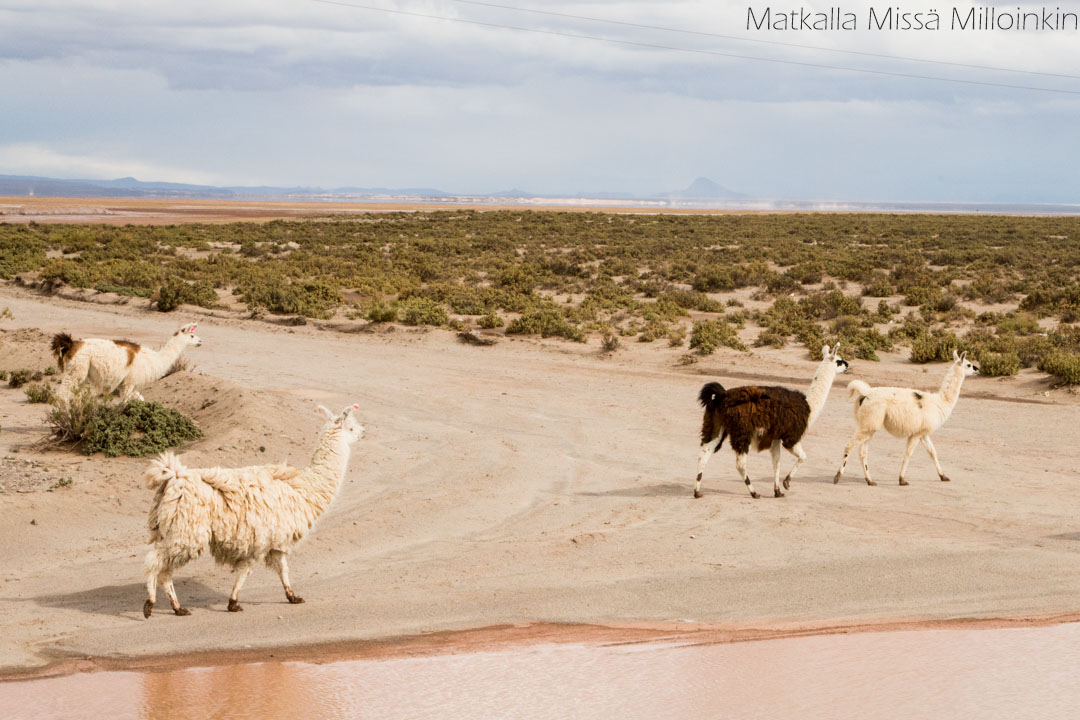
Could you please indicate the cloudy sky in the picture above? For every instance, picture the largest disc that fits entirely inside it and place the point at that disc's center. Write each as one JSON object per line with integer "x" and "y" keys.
{"x": 303, "y": 92}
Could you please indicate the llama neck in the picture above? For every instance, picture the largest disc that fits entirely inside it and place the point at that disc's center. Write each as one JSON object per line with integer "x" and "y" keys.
{"x": 327, "y": 468}
{"x": 164, "y": 358}
{"x": 950, "y": 386}
{"x": 818, "y": 392}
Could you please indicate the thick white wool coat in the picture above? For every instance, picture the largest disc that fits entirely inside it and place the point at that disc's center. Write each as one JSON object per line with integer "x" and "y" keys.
{"x": 242, "y": 515}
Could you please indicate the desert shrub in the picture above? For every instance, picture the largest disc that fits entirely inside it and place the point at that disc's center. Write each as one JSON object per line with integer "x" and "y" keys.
{"x": 3, "y": 375}
{"x": 934, "y": 347}
{"x": 654, "y": 330}
{"x": 137, "y": 429}
{"x": 39, "y": 393}
{"x": 18, "y": 378}
{"x": 309, "y": 298}
{"x": 380, "y": 312}
{"x": 708, "y": 335}
{"x": 422, "y": 311}
{"x": 610, "y": 343}
{"x": 771, "y": 338}
{"x": 993, "y": 364}
{"x": 69, "y": 417}
{"x": 546, "y": 321}
{"x": 918, "y": 295}
{"x": 490, "y": 321}
{"x": 177, "y": 292}
{"x": 1064, "y": 366}
{"x": 879, "y": 287}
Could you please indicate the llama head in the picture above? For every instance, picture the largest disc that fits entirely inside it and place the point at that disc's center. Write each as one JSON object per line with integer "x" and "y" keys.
{"x": 960, "y": 359}
{"x": 346, "y": 421}
{"x": 187, "y": 334}
{"x": 833, "y": 356}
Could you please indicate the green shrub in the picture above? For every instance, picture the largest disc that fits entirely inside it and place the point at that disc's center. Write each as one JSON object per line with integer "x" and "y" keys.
{"x": 39, "y": 393}
{"x": 177, "y": 292}
{"x": 490, "y": 321}
{"x": 994, "y": 364}
{"x": 18, "y": 378}
{"x": 307, "y": 298}
{"x": 547, "y": 322}
{"x": 422, "y": 311}
{"x": 610, "y": 343}
{"x": 934, "y": 347}
{"x": 380, "y": 312}
{"x": 708, "y": 335}
{"x": 1064, "y": 366}
{"x": 137, "y": 429}
{"x": 69, "y": 417}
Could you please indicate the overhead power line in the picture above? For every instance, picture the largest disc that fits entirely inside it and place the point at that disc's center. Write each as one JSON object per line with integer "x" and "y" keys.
{"x": 713, "y": 53}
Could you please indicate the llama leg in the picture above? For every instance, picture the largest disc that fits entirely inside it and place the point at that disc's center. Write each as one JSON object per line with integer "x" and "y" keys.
{"x": 775, "y": 452}
{"x": 847, "y": 451}
{"x": 707, "y": 449}
{"x": 800, "y": 458}
{"x": 153, "y": 567}
{"x": 242, "y": 575}
{"x": 863, "y": 452}
{"x": 933, "y": 456}
{"x": 911, "y": 443}
{"x": 170, "y": 590}
{"x": 740, "y": 465}
{"x": 276, "y": 560}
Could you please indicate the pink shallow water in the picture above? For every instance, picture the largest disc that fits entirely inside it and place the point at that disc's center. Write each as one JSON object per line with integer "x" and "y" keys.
{"x": 939, "y": 674}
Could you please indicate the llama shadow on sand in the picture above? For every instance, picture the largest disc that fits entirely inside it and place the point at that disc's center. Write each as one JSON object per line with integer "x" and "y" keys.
{"x": 125, "y": 601}
{"x": 667, "y": 489}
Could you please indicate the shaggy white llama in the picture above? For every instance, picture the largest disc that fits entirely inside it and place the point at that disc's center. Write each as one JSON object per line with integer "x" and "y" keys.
{"x": 243, "y": 515}
{"x": 904, "y": 412}
{"x": 764, "y": 418}
{"x": 107, "y": 365}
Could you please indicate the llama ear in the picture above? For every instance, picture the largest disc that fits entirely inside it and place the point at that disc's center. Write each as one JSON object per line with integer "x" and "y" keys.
{"x": 825, "y": 351}
{"x": 836, "y": 350}
{"x": 325, "y": 413}
{"x": 955, "y": 356}
{"x": 963, "y": 356}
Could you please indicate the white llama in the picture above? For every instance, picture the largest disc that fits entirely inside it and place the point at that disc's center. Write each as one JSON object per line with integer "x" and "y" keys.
{"x": 243, "y": 515}
{"x": 764, "y": 418}
{"x": 906, "y": 413}
{"x": 108, "y": 365}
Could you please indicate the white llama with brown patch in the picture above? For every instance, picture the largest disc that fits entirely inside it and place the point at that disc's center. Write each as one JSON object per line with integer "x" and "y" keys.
{"x": 121, "y": 365}
{"x": 764, "y": 418}
{"x": 243, "y": 515}
{"x": 906, "y": 413}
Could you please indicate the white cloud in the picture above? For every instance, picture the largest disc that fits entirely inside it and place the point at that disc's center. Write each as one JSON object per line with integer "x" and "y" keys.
{"x": 36, "y": 159}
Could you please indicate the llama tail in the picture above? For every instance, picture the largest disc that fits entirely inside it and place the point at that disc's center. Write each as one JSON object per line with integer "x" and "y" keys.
{"x": 858, "y": 389}
{"x": 711, "y": 395}
{"x": 165, "y": 468}
{"x": 61, "y": 347}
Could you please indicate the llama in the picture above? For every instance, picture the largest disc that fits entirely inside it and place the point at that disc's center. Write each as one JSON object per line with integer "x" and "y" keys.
{"x": 244, "y": 515}
{"x": 108, "y": 365}
{"x": 764, "y": 418}
{"x": 905, "y": 413}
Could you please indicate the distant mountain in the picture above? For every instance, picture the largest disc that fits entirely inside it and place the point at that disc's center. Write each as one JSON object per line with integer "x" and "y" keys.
{"x": 23, "y": 185}
{"x": 704, "y": 188}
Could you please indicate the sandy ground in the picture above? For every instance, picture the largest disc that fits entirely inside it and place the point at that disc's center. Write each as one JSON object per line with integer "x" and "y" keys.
{"x": 526, "y": 482}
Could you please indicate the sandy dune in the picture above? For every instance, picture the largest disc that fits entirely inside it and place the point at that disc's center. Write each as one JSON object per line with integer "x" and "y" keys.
{"x": 529, "y": 481}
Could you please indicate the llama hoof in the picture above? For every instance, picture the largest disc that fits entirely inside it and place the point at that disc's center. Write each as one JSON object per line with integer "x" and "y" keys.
{"x": 836, "y": 479}
{"x": 787, "y": 482}
{"x": 778, "y": 493}
{"x": 147, "y": 608}
{"x": 234, "y": 606}
{"x": 903, "y": 481}
{"x": 874, "y": 484}
{"x": 697, "y": 494}
{"x": 945, "y": 479}
{"x": 754, "y": 495}
{"x": 182, "y": 611}
{"x": 295, "y": 599}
